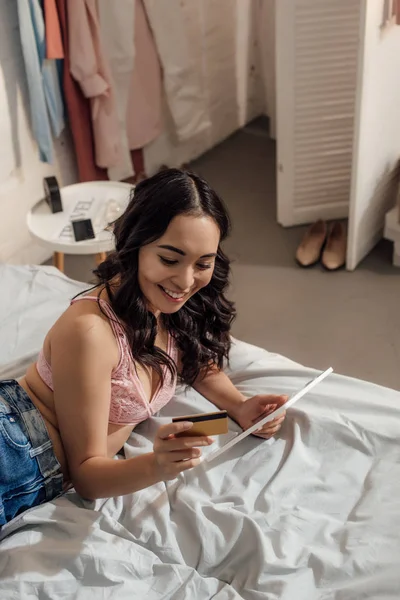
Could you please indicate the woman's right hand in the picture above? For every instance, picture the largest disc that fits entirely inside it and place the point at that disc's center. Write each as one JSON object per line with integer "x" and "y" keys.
{"x": 174, "y": 454}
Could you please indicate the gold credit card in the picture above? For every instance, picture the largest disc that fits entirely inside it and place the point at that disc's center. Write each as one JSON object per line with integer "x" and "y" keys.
{"x": 214, "y": 423}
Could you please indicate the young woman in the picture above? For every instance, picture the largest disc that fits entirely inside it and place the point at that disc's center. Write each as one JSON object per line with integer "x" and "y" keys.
{"x": 112, "y": 360}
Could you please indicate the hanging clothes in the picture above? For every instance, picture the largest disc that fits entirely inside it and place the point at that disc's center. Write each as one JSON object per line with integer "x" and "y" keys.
{"x": 54, "y": 46}
{"x": 131, "y": 52}
{"x": 144, "y": 116}
{"x": 117, "y": 36}
{"x": 160, "y": 36}
{"x": 47, "y": 110}
{"x": 78, "y": 109}
{"x": 88, "y": 66}
{"x": 138, "y": 165}
{"x": 185, "y": 96}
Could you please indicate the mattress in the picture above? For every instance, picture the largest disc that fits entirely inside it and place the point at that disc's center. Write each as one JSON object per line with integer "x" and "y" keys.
{"x": 32, "y": 299}
{"x": 314, "y": 514}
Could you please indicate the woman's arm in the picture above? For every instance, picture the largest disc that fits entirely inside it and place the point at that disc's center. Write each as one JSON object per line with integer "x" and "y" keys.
{"x": 218, "y": 389}
{"x": 82, "y": 360}
{"x": 82, "y": 363}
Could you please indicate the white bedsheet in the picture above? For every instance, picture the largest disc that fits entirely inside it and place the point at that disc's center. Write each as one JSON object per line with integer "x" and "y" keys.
{"x": 31, "y": 300}
{"x": 314, "y": 515}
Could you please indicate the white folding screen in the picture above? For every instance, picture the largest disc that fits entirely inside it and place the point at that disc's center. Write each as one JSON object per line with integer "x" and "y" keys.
{"x": 317, "y": 47}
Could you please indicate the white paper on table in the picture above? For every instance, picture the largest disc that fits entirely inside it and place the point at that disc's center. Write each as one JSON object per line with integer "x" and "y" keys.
{"x": 91, "y": 208}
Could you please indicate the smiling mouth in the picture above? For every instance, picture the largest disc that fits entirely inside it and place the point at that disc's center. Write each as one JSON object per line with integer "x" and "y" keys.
{"x": 175, "y": 296}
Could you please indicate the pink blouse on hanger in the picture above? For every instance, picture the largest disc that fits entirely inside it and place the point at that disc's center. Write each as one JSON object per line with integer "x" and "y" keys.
{"x": 88, "y": 66}
{"x": 144, "y": 121}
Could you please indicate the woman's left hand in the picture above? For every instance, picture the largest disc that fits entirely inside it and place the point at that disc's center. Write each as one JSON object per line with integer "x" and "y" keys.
{"x": 256, "y": 408}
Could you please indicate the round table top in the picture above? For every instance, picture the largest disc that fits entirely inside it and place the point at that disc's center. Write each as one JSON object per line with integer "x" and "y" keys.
{"x": 80, "y": 200}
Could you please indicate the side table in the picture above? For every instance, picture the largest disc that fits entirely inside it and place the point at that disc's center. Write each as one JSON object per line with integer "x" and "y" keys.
{"x": 80, "y": 200}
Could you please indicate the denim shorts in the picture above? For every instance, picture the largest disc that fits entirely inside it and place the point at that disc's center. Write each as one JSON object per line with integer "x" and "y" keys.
{"x": 30, "y": 473}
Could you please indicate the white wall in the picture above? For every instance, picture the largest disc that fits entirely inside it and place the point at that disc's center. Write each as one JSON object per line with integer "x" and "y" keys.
{"x": 377, "y": 138}
{"x": 224, "y": 38}
{"x": 266, "y": 36}
{"x": 21, "y": 172}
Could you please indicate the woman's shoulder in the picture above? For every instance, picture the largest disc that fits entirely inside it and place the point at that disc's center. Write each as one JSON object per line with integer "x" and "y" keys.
{"x": 85, "y": 324}
{"x": 84, "y": 312}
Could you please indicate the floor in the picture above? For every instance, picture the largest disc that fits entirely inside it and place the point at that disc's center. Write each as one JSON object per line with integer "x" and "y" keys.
{"x": 350, "y": 321}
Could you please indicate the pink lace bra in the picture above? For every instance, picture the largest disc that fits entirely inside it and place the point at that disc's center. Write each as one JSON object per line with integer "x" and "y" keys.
{"x": 129, "y": 405}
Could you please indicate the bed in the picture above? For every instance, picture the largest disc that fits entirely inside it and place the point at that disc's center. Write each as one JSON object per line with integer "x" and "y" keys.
{"x": 313, "y": 515}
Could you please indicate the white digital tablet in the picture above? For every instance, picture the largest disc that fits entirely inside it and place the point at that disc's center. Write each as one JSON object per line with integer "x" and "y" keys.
{"x": 279, "y": 411}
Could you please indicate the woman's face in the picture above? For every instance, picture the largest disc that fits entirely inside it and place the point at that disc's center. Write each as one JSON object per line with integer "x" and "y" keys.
{"x": 178, "y": 264}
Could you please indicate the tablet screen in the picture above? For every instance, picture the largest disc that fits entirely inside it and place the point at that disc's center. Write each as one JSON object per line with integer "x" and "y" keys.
{"x": 276, "y": 413}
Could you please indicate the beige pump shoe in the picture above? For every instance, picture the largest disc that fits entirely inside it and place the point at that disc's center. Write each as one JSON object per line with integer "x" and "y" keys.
{"x": 334, "y": 255}
{"x": 310, "y": 249}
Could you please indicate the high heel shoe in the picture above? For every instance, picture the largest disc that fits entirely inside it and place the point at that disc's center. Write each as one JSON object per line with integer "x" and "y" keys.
{"x": 310, "y": 249}
{"x": 334, "y": 254}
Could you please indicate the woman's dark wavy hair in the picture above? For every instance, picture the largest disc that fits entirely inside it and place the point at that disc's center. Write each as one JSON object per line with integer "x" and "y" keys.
{"x": 201, "y": 327}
